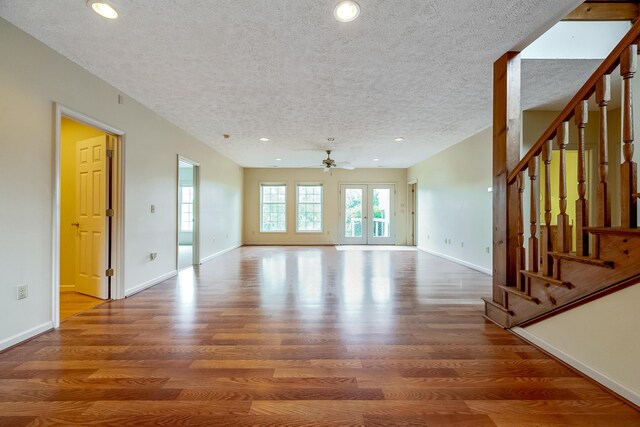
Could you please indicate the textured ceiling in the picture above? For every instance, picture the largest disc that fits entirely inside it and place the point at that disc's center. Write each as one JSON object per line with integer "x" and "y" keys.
{"x": 288, "y": 71}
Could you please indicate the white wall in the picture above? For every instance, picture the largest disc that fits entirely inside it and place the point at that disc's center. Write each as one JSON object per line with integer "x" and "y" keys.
{"x": 32, "y": 78}
{"x": 331, "y": 200}
{"x": 600, "y": 338}
{"x": 453, "y": 202}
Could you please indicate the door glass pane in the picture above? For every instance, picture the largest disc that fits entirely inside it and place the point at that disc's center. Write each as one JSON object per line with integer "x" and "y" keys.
{"x": 353, "y": 212}
{"x": 381, "y": 212}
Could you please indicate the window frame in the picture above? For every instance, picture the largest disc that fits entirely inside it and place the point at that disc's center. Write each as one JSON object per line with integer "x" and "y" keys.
{"x": 273, "y": 184}
{"x": 183, "y": 203}
{"x": 310, "y": 184}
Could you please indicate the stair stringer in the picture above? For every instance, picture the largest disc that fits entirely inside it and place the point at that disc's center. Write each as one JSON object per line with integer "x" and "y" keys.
{"x": 585, "y": 279}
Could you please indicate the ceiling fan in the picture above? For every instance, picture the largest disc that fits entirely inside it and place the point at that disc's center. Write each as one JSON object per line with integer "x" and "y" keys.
{"x": 329, "y": 164}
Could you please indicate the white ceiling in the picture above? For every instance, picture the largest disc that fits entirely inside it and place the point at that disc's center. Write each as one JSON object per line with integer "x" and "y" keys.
{"x": 288, "y": 71}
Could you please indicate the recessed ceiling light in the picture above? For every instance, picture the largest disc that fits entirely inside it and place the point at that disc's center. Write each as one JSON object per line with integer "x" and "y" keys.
{"x": 278, "y": 159}
{"x": 346, "y": 11}
{"x": 376, "y": 160}
{"x": 103, "y": 9}
{"x": 264, "y": 139}
{"x": 399, "y": 139}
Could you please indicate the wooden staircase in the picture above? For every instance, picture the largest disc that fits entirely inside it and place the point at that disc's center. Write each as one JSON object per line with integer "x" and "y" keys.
{"x": 573, "y": 278}
{"x": 546, "y": 275}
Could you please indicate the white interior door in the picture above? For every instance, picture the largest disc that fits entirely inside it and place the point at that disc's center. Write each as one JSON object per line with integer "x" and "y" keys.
{"x": 367, "y": 214}
{"x": 354, "y": 212}
{"x": 91, "y": 217}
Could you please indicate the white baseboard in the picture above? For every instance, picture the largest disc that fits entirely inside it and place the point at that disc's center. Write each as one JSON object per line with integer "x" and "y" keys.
{"x": 224, "y": 251}
{"x": 148, "y": 284}
{"x": 486, "y": 271}
{"x": 23, "y": 336}
{"x": 611, "y": 384}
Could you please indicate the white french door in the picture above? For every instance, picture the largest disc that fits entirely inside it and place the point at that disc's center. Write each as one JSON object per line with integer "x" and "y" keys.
{"x": 367, "y": 214}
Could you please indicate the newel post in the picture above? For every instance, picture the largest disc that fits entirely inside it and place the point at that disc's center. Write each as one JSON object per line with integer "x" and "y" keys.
{"x": 507, "y": 125}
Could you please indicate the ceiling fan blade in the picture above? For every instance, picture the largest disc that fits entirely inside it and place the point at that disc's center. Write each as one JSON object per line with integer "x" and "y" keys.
{"x": 326, "y": 169}
{"x": 343, "y": 163}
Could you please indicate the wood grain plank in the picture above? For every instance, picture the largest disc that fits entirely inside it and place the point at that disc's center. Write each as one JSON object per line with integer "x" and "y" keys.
{"x": 238, "y": 355}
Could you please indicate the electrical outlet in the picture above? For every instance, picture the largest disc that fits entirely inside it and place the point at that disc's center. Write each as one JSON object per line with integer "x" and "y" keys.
{"x": 22, "y": 291}
{"x": 487, "y": 249}
{"x": 153, "y": 208}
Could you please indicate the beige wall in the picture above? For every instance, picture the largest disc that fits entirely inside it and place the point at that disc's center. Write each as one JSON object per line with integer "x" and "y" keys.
{"x": 32, "y": 78}
{"x": 331, "y": 182}
{"x": 454, "y": 204}
{"x": 70, "y": 132}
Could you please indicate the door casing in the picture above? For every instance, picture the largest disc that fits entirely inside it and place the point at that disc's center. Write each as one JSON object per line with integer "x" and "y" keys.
{"x": 116, "y": 252}
{"x": 196, "y": 211}
{"x": 412, "y": 213}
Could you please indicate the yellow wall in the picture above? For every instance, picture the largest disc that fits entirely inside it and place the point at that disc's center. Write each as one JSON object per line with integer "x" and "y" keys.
{"x": 535, "y": 122}
{"x": 70, "y": 132}
{"x": 571, "y": 157}
{"x": 331, "y": 202}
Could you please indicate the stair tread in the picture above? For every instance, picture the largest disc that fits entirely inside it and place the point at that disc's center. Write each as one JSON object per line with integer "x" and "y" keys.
{"x": 613, "y": 230}
{"x": 583, "y": 259}
{"x": 548, "y": 279}
{"x": 512, "y": 290}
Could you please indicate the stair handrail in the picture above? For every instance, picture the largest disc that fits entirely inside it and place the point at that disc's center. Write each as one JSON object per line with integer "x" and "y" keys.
{"x": 586, "y": 91}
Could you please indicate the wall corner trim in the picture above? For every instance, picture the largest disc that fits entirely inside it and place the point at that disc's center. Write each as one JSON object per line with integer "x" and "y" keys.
{"x": 619, "y": 389}
{"x": 148, "y": 284}
{"x": 23, "y": 336}
{"x": 486, "y": 271}
{"x": 224, "y": 251}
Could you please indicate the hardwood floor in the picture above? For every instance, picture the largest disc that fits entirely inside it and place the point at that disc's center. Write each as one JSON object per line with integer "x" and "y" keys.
{"x": 291, "y": 336}
{"x": 72, "y": 303}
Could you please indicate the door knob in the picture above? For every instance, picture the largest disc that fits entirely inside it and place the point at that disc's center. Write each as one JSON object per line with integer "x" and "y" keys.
{"x": 75, "y": 224}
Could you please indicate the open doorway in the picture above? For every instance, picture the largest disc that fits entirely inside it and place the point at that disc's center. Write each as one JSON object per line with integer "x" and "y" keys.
{"x": 187, "y": 213}
{"x": 88, "y": 172}
{"x": 412, "y": 198}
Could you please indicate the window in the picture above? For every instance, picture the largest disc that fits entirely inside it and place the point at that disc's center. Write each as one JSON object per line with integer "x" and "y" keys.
{"x": 186, "y": 208}
{"x": 309, "y": 202}
{"x": 273, "y": 208}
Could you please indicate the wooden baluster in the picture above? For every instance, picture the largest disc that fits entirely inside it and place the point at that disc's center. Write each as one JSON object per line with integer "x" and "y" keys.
{"x": 563, "y": 243}
{"x": 603, "y": 209}
{"x": 534, "y": 258}
{"x": 520, "y": 252}
{"x": 545, "y": 237}
{"x": 628, "y": 169}
{"x": 582, "y": 210}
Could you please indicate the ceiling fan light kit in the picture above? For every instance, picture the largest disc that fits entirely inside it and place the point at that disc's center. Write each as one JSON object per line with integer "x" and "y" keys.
{"x": 329, "y": 163}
